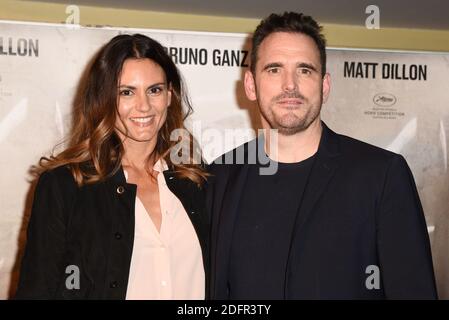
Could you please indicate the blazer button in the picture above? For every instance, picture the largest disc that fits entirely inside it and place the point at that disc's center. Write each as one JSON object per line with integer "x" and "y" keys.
{"x": 113, "y": 284}
{"x": 120, "y": 189}
{"x": 192, "y": 212}
{"x": 118, "y": 235}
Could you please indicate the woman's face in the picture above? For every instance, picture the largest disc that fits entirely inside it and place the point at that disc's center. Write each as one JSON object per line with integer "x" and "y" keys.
{"x": 143, "y": 99}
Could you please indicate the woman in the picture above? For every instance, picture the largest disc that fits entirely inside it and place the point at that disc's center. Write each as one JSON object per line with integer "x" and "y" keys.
{"x": 114, "y": 216}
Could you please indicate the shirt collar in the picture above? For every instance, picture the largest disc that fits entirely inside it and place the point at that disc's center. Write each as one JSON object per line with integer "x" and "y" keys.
{"x": 160, "y": 165}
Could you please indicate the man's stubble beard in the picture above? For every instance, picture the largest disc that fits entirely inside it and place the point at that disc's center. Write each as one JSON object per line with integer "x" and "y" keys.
{"x": 295, "y": 124}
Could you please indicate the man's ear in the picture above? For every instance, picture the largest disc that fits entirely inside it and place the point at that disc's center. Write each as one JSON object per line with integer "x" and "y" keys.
{"x": 250, "y": 86}
{"x": 326, "y": 86}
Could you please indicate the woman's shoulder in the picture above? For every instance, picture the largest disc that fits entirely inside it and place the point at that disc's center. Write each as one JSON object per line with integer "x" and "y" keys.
{"x": 55, "y": 192}
{"x": 60, "y": 177}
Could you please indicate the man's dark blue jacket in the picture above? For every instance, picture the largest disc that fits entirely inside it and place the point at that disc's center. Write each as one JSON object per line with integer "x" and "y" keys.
{"x": 360, "y": 209}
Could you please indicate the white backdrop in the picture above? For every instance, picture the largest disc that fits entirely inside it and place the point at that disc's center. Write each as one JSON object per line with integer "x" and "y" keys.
{"x": 395, "y": 100}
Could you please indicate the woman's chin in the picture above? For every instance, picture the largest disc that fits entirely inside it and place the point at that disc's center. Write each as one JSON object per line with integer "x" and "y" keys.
{"x": 141, "y": 137}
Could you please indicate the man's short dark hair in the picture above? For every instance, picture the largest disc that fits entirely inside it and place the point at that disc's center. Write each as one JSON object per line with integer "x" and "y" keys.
{"x": 289, "y": 22}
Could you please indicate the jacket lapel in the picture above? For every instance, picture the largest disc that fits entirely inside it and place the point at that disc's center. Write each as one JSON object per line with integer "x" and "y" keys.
{"x": 321, "y": 174}
{"x": 124, "y": 192}
{"x": 323, "y": 170}
{"x": 224, "y": 228}
{"x": 226, "y": 202}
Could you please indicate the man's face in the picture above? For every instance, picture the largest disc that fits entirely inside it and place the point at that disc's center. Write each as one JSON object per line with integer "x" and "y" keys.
{"x": 287, "y": 82}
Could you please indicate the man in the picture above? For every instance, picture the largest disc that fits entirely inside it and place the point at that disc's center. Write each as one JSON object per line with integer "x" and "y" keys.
{"x": 339, "y": 219}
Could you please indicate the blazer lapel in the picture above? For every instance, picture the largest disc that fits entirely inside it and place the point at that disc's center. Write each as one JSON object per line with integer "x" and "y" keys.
{"x": 225, "y": 209}
{"x": 124, "y": 192}
{"x": 224, "y": 228}
{"x": 323, "y": 170}
{"x": 321, "y": 174}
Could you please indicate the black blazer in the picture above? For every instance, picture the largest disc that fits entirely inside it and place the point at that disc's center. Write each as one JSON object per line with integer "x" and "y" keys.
{"x": 360, "y": 208}
{"x": 91, "y": 227}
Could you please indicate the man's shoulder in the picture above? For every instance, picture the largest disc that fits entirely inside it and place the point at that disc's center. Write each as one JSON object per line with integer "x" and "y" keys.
{"x": 351, "y": 149}
{"x": 360, "y": 153}
{"x": 239, "y": 153}
{"x": 235, "y": 158}
{"x": 353, "y": 145}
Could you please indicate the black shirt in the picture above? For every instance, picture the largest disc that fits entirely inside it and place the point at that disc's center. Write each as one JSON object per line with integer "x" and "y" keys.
{"x": 263, "y": 229}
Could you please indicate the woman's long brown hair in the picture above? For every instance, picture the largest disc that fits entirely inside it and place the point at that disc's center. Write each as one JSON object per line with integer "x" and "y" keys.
{"x": 94, "y": 150}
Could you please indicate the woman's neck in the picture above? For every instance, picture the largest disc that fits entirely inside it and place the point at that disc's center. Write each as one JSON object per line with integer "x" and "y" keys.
{"x": 138, "y": 155}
